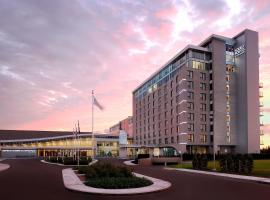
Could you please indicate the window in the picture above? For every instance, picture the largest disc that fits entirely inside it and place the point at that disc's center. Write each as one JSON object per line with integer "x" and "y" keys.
{"x": 211, "y": 127}
{"x": 154, "y": 141}
{"x": 197, "y": 65}
{"x": 178, "y": 129}
{"x": 165, "y": 105}
{"x": 178, "y": 119}
{"x": 190, "y": 95}
{"x": 198, "y": 55}
{"x": 203, "y": 106}
{"x": 191, "y": 137}
{"x": 191, "y": 116}
{"x": 166, "y": 123}
{"x": 190, "y": 105}
{"x": 190, "y": 85}
{"x": 190, "y": 74}
{"x": 202, "y": 76}
{"x": 190, "y": 127}
{"x": 203, "y": 96}
{"x": 172, "y": 139}
{"x": 203, "y": 117}
{"x": 166, "y": 140}
{"x": 203, "y": 127}
{"x": 203, "y": 138}
{"x": 203, "y": 86}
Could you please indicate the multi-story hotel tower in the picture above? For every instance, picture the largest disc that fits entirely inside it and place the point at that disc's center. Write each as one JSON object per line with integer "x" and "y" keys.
{"x": 205, "y": 98}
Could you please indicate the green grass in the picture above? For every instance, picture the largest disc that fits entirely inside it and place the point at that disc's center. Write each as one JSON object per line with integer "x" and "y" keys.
{"x": 261, "y": 167}
{"x": 183, "y": 165}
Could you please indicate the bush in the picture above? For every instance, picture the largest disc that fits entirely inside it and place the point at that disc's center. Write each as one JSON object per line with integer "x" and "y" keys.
{"x": 85, "y": 160}
{"x": 107, "y": 170}
{"x": 240, "y": 164}
{"x": 60, "y": 160}
{"x": 199, "y": 162}
{"x": 118, "y": 182}
{"x": 69, "y": 161}
{"x": 52, "y": 159}
{"x": 143, "y": 156}
{"x": 264, "y": 155}
{"x": 249, "y": 164}
{"x": 111, "y": 176}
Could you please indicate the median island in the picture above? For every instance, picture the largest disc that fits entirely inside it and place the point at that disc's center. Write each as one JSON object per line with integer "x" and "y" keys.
{"x": 110, "y": 176}
{"x": 107, "y": 178}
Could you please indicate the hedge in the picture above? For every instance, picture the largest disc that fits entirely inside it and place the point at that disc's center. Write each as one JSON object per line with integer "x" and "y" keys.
{"x": 239, "y": 163}
{"x": 69, "y": 160}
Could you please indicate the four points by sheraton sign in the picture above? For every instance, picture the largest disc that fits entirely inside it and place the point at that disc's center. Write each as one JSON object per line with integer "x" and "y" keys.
{"x": 240, "y": 50}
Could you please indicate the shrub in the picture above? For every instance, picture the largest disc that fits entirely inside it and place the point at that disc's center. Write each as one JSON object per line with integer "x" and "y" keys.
{"x": 85, "y": 160}
{"x": 105, "y": 170}
{"x": 60, "y": 160}
{"x": 242, "y": 164}
{"x": 199, "y": 162}
{"x": 249, "y": 164}
{"x": 118, "y": 182}
{"x": 69, "y": 161}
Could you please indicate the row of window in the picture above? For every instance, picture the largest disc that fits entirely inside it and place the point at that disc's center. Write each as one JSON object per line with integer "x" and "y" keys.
{"x": 190, "y": 127}
{"x": 190, "y": 138}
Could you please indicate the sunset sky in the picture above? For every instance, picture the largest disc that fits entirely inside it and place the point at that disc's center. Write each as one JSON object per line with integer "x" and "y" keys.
{"x": 54, "y": 52}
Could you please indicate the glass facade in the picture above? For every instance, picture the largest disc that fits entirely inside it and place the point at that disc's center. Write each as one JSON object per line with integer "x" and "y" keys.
{"x": 196, "y": 59}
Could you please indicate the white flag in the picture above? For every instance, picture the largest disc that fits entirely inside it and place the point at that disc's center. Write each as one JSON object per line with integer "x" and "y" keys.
{"x": 96, "y": 103}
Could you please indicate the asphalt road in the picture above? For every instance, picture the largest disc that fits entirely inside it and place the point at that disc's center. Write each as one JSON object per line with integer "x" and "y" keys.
{"x": 30, "y": 179}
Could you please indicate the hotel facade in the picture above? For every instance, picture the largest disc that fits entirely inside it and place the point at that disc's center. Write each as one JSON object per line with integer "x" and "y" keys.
{"x": 204, "y": 99}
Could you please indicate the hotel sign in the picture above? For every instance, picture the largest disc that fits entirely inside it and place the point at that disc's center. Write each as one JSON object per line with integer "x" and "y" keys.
{"x": 240, "y": 50}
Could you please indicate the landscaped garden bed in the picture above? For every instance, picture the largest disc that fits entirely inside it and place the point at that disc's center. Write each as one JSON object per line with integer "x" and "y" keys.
{"x": 108, "y": 176}
{"x": 69, "y": 160}
{"x": 233, "y": 164}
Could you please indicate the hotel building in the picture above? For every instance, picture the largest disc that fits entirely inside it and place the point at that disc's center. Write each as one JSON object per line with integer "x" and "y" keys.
{"x": 204, "y": 99}
{"x": 125, "y": 125}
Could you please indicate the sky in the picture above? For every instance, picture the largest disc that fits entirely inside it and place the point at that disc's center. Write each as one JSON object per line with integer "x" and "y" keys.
{"x": 53, "y": 53}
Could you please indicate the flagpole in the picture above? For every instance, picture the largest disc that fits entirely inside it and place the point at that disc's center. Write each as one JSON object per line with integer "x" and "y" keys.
{"x": 78, "y": 151}
{"x": 93, "y": 123}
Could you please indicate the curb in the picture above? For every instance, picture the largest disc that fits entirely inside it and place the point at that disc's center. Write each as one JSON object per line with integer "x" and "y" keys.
{"x": 72, "y": 182}
{"x": 4, "y": 167}
{"x": 234, "y": 176}
{"x": 129, "y": 162}
{"x": 59, "y": 164}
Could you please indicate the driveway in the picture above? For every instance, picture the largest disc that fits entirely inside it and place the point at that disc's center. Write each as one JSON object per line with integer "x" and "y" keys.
{"x": 31, "y": 179}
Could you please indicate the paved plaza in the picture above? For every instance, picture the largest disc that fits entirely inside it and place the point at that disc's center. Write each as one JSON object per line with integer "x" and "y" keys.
{"x": 31, "y": 179}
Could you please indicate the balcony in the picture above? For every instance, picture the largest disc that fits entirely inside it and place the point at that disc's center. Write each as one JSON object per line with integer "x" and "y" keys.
{"x": 261, "y": 133}
{"x": 260, "y": 94}
{"x": 261, "y": 104}
{"x": 261, "y": 124}
{"x": 260, "y": 85}
{"x": 261, "y": 114}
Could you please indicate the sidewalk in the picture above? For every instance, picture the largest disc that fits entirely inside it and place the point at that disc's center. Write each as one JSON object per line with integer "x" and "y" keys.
{"x": 235, "y": 176}
{"x": 4, "y": 167}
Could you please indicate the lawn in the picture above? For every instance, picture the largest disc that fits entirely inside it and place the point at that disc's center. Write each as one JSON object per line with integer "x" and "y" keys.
{"x": 261, "y": 167}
